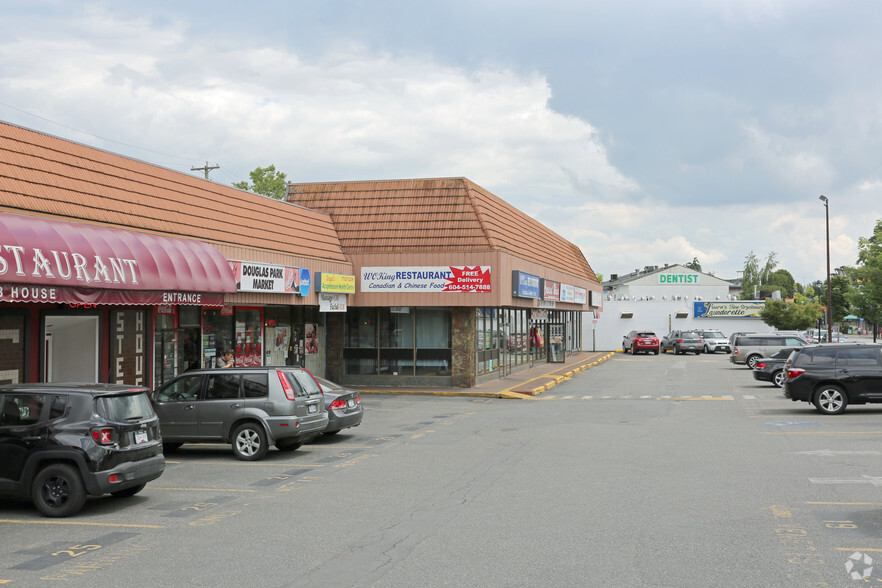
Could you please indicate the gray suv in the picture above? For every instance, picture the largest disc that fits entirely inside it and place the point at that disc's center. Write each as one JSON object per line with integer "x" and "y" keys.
{"x": 251, "y": 408}
{"x": 749, "y": 349}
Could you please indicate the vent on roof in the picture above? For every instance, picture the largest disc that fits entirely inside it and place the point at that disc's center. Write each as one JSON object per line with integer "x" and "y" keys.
{"x": 627, "y": 314}
{"x": 614, "y": 276}
{"x": 682, "y": 314}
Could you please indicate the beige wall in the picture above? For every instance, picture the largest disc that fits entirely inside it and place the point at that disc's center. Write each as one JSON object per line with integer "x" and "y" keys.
{"x": 501, "y": 265}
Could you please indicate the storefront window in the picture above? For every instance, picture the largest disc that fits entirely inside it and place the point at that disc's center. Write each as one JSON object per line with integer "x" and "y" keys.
{"x": 487, "y": 338}
{"x": 217, "y": 333}
{"x": 382, "y": 342}
{"x": 249, "y": 337}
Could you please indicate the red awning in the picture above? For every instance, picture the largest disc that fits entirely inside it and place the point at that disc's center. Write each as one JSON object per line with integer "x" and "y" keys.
{"x": 36, "y": 250}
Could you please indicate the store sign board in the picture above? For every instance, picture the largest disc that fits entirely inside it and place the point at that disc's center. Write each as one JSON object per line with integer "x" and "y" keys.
{"x": 426, "y": 279}
{"x": 304, "y": 282}
{"x": 263, "y": 277}
{"x": 581, "y": 295}
{"x": 550, "y": 290}
{"x": 567, "y": 293}
{"x": 94, "y": 296}
{"x": 329, "y": 302}
{"x": 337, "y": 283}
{"x": 727, "y": 309}
{"x": 524, "y": 285}
{"x": 674, "y": 278}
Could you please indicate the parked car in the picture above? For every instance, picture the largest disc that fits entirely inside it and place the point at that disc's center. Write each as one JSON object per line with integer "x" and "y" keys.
{"x": 749, "y": 349}
{"x": 60, "y": 443}
{"x": 344, "y": 406}
{"x": 713, "y": 341}
{"x": 250, "y": 407}
{"x": 635, "y": 341}
{"x": 833, "y": 376}
{"x": 737, "y": 334}
{"x": 816, "y": 336}
{"x": 771, "y": 369}
{"x": 681, "y": 342}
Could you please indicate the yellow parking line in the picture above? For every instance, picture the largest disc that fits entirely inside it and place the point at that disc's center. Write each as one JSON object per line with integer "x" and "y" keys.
{"x": 24, "y": 522}
{"x": 846, "y": 433}
{"x": 848, "y": 503}
{"x": 254, "y": 464}
{"x": 204, "y": 489}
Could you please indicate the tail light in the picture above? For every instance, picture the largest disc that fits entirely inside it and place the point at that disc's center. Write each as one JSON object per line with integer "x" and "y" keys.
{"x": 735, "y": 351}
{"x": 679, "y": 340}
{"x": 337, "y": 404}
{"x": 760, "y": 365}
{"x": 286, "y": 386}
{"x": 104, "y": 436}
{"x": 794, "y": 373}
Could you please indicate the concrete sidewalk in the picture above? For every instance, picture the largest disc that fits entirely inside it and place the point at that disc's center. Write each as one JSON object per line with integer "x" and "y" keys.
{"x": 523, "y": 384}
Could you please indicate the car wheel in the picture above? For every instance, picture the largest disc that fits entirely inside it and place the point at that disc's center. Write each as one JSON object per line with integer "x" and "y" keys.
{"x": 288, "y": 445}
{"x": 655, "y": 351}
{"x": 249, "y": 442}
{"x": 128, "y": 491}
{"x": 830, "y": 399}
{"x": 58, "y": 491}
{"x": 624, "y": 349}
{"x": 753, "y": 360}
{"x": 170, "y": 447}
{"x": 778, "y": 378}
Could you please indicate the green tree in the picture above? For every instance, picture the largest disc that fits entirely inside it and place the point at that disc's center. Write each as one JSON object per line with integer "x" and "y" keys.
{"x": 867, "y": 294}
{"x": 754, "y": 276}
{"x": 781, "y": 280}
{"x": 840, "y": 296}
{"x": 266, "y": 181}
{"x": 694, "y": 264}
{"x": 790, "y": 316}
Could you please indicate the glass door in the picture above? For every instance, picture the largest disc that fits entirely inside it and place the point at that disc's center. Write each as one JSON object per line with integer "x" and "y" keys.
{"x": 556, "y": 337}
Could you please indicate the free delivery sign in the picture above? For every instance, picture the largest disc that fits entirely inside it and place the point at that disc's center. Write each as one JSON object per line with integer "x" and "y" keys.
{"x": 452, "y": 278}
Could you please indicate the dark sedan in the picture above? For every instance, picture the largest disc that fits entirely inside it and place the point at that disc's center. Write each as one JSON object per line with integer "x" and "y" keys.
{"x": 771, "y": 369}
{"x": 344, "y": 406}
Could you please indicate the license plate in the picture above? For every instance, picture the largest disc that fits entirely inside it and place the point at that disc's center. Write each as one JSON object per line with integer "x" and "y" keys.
{"x": 140, "y": 437}
{"x": 351, "y": 403}
{"x": 313, "y": 408}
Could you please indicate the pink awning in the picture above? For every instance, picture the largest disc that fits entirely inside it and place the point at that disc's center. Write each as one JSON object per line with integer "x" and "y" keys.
{"x": 36, "y": 250}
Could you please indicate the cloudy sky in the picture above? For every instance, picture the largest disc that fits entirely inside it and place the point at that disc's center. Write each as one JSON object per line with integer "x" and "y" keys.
{"x": 645, "y": 132}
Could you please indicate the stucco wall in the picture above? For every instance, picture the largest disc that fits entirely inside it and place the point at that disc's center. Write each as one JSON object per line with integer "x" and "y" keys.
{"x": 655, "y": 315}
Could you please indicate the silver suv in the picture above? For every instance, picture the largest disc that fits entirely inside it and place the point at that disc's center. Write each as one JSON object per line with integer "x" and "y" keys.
{"x": 713, "y": 341}
{"x": 749, "y": 349}
{"x": 250, "y": 408}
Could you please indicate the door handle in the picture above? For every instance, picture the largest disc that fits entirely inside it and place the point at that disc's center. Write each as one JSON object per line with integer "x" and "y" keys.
{"x": 235, "y": 405}
{"x": 190, "y": 407}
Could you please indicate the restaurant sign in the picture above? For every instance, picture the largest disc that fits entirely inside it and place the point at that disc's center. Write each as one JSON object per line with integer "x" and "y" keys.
{"x": 426, "y": 279}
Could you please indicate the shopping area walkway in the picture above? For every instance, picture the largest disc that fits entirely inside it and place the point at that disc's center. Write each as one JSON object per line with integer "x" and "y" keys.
{"x": 523, "y": 384}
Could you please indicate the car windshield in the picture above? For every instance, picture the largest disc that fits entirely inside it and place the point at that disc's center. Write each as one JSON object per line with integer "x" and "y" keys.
{"x": 782, "y": 353}
{"x": 689, "y": 335}
{"x": 713, "y": 334}
{"x": 128, "y": 407}
{"x": 646, "y": 334}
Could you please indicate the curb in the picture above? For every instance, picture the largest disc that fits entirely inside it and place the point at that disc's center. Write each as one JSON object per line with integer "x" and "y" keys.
{"x": 566, "y": 376}
{"x": 509, "y": 393}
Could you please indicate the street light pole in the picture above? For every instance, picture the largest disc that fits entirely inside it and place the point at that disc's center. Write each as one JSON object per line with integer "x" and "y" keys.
{"x": 829, "y": 293}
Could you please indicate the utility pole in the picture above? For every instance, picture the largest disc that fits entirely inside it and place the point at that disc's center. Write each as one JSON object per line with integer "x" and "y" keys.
{"x": 205, "y": 169}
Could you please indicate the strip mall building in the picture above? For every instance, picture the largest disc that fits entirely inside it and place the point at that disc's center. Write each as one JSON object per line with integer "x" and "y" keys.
{"x": 114, "y": 270}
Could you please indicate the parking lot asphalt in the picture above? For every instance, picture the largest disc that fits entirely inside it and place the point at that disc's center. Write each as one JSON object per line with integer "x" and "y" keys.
{"x": 522, "y": 384}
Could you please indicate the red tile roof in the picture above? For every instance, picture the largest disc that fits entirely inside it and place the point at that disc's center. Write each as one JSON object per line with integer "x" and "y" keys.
{"x": 450, "y": 214}
{"x": 45, "y": 175}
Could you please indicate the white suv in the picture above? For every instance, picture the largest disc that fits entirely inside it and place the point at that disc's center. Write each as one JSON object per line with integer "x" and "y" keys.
{"x": 714, "y": 341}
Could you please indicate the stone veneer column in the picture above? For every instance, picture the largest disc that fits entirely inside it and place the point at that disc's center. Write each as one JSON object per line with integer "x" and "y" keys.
{"x": 334, "y": 346}
{"x": 462, "y": 330}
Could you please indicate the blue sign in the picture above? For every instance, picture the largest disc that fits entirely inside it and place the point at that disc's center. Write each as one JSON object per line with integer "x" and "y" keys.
{"x": 304, "y": 282}
{"x": 524, "y": 285}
